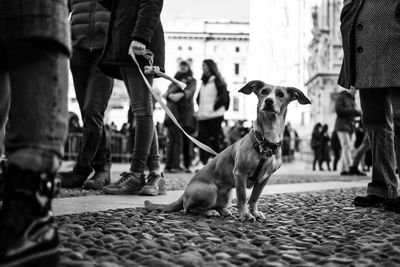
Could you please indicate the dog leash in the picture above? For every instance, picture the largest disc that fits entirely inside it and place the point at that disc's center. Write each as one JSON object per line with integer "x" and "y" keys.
{"x": 156, "y": 70}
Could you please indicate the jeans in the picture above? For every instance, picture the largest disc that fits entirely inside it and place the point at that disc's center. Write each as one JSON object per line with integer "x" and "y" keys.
{"x": 381, "y": 118}
{"x": 34, "y": 75}
{"x": 345, "y": 143}
{"x": 93, "y": 90}
{"x": 209, "y": 132}
{"x": 142, "y": 108}
{"x": 174, "y": 147}
{"x": 187, "y": 148}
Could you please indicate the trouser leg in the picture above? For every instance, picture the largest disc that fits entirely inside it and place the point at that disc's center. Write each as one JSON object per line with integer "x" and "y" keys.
{"x": 204, "y": 137}
{"x": 4, "y": 101}
{"x": 378, "y": 121}
{"x": 345, "y": 143}
{"x": 153, "y": 161}
{"x": 361, "y": 150}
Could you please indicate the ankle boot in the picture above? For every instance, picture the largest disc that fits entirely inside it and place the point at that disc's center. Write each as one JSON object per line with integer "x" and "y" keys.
{"x": 28, "y": 236}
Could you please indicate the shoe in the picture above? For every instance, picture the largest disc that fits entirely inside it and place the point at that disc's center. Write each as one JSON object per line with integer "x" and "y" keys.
{"x": 392, "y": 205}
{"x": 369, "y": 201}
{"x": 187, "y": 170}
{"x": 356, "y": 171}
{"x": 28, "y": 236}
{"x": 71, "y": 179}
{"x": 155, "y": 185}
{"x": 128, "y": 184}
{"x": 98, "y": 180}
{"x": 345, "y": 173}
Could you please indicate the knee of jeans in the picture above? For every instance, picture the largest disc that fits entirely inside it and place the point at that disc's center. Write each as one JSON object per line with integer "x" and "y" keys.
{"x": 93, "y": 118}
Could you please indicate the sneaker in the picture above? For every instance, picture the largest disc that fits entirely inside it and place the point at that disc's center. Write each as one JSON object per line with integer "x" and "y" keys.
{"x": 98, "y": 180}
{"x": 392, "y": 205}
{"x": 71, "y": 179}
{"x": 356, "y": 171}
{"x": 28, "y": 235}
{"x": 369, "y": 201}
{"x": 155, "y": 185}
{"x": 128, "y": 184}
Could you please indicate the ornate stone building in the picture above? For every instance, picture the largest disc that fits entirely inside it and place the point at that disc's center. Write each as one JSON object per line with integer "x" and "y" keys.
{"x": 325, "y": 60}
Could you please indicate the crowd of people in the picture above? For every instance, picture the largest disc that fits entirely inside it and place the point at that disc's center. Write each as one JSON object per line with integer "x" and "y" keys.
{"x": 39, "y": 37}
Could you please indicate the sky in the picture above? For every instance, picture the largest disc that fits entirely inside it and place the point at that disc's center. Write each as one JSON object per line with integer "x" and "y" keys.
{"x": 237, "y": 10}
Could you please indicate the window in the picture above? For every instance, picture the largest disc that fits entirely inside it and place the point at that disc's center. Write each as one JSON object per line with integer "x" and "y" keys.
{"x": 237, "y": 69}
{"x": 237, "y": 49}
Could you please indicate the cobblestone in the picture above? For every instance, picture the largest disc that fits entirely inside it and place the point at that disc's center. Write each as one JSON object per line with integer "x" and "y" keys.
{"x": 306, "y": 229}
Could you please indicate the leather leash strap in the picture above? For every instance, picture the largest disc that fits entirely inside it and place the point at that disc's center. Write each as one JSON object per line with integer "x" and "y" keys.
{"x": 149, "y": 56}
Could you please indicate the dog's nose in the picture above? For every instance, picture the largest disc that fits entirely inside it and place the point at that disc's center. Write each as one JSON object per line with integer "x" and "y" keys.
{"x": 269, "y": 101}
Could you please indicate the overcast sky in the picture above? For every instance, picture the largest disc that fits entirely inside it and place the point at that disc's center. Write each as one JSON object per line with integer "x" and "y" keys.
{"x": 237, "y": 10}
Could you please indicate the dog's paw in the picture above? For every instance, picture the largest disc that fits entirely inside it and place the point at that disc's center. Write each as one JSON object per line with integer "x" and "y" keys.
{"x": 258, "y": 215}
{"x": 212, "y": 213}
{"x": 225, "y": 212}
{"x": 247, "y": 217}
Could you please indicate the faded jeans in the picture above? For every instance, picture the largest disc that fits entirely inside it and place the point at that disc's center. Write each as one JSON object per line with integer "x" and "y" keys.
{"x": 34, "y": 75}
{"x": 381, "y": 117}
{"x": 145, "y": 139}
{"x": 345, "y": 143}
{"x": 93, "y": 90}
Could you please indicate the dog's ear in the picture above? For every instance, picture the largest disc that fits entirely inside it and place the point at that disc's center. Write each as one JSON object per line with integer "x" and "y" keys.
{"x": 297, "y": 94}
{"x": 251, "y": 86}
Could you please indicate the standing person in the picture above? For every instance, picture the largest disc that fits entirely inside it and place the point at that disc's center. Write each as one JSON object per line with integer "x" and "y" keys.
{"x": 325, "y": 148}
{"x": 135, "y": 26}
{"x": 213, "y": 101}
{"x": 89, "y": 22}
{"x": 180, "y": 103}
{"x": 371, "y": 43}
{"x": 337, "y": 149}
{"x": 316, "y": 144}
{"x": 346, "y": 112}
{"x": 34, "y": 51}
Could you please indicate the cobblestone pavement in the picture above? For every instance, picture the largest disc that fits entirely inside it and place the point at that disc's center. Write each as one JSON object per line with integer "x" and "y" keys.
{"x": 179, "y": 181}
{"x": 306, "y": 229}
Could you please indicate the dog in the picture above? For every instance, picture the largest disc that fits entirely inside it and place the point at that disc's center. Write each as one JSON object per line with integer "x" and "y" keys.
{"x": 247, "y": 163}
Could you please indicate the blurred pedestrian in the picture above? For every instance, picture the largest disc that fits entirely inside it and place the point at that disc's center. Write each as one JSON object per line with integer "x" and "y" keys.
{"x": 89, "y": 22}
{"x": 346, "y": 112}
{"x": 316, "y": 144}
{"x": 177, "y": 102}
{"x": 34, "y": 51}
{"x": 325, "y": 148}
{"x": 213, "y": 101}
{"x": 361, "y": 146}
{"x": 135, "y": 26}
{"x": 336, "y": 148}
{"x": 371, "y": 43}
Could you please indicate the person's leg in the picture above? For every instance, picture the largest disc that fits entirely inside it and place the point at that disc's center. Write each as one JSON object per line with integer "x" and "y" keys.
{"x": 153, "y": 161}
{"x": 169, "y": 148}
{"x": 187, "y": 155}
{"x": 176, "y": 147}
{"x": 204, "y": 137}
{"x": 345, "y": 143}
{"x": 38, "y": 74}
{"x": 4, "y": 105}
{"x": 215, "y": 129}
{"x": 378, "y": 121}
{"x": 358, "y": 156}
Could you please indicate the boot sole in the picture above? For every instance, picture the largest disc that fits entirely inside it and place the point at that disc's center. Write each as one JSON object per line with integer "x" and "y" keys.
{"x": 42, "y": 259}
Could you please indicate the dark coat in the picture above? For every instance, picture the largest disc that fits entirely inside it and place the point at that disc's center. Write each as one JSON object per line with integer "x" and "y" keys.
{"x": 371, "y": 43}
{"x": 89, "y": 24}
{"x": 44, "y": 19}
{"x": 345, "y": 107}
{"x": 132, "y": 20}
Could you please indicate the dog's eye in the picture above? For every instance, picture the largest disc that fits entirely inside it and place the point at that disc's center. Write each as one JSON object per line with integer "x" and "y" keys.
{"x": 280, "y": 94}
{"x": 264, "y": 92}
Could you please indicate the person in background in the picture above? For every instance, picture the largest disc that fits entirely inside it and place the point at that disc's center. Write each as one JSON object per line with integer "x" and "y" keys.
{"x": 371, "y": 43}
{"x": 89, "y": 22}
{"x": 362, "y": 146}
{"x": 325, "y": 148}
{"x": 177, "y": 102}
{"x": 337, "y": 149}
{"x": 316, "y": 144}
{"x": 213, "y": 101}
{"x": 34, "y": 50}
{"x": 346, "y": 111}
{"x": 134, "y": 27}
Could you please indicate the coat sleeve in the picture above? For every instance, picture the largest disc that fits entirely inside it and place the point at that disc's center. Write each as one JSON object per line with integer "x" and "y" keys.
{"x": 147, "y": 20}
{"x": 190, "y": 90}
{"x": 343, "y": 109}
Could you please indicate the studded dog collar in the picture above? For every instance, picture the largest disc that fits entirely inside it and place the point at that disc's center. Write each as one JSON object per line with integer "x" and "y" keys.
{"x": 262, "y": 145}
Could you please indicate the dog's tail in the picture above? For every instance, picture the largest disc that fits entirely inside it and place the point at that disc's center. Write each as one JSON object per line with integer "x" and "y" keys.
{"x": 174, "y": 206}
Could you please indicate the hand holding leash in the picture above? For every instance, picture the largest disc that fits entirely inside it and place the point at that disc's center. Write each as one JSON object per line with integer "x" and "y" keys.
{"x": 156, "y": 71}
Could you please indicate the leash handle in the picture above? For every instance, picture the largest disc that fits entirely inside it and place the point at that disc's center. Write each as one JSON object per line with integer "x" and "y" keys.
{"x": 164, "y": 106}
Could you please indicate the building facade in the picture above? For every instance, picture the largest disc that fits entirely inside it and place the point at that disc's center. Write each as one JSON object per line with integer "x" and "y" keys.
{"x": 326, "y": 55}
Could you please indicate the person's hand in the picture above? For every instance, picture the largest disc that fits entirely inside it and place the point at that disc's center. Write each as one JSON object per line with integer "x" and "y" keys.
{"x": 176, "y": 97}
{"x": 137, "y": 48}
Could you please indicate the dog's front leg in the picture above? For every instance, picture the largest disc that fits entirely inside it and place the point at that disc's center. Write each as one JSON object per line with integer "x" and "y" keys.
{"x": 240, "y": 184}
{"x": 255, "y": 195}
